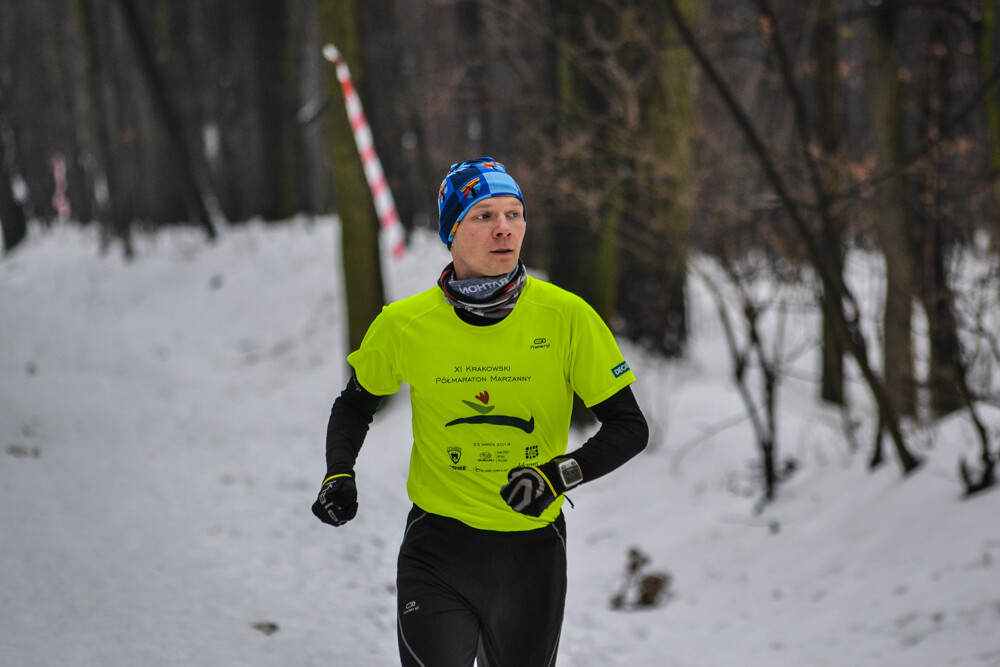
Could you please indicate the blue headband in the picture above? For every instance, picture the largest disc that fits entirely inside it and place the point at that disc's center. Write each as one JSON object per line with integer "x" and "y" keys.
{"x": 466, "y": 184}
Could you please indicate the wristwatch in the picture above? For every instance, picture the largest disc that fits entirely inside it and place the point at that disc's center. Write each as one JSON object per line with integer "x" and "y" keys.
{"x": 569, "y": 473}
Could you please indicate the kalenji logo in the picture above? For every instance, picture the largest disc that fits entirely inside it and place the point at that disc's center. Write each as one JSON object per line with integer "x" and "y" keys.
{"x": 621, "y": 369}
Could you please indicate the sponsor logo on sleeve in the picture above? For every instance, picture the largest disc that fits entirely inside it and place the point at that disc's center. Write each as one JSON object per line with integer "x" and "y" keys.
{"x": 620, "y": 369}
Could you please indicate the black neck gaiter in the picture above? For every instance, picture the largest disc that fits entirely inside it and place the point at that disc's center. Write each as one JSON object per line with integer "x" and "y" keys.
{"x": 492, "y": 297}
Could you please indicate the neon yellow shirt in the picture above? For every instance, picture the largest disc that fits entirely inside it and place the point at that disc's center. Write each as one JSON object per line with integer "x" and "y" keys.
{"x": 486, "y": 399}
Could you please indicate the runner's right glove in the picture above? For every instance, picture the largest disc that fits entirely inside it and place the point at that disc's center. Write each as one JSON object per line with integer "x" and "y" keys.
{"x": 338, "y": 500}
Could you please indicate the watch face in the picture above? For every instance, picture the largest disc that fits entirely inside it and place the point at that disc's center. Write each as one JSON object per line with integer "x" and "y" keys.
{"x": 570, "y": 473}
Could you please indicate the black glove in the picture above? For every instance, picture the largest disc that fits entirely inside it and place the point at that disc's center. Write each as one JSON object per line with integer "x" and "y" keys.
{"x": 531, "y": 490}
{"x": 338, "y": 500}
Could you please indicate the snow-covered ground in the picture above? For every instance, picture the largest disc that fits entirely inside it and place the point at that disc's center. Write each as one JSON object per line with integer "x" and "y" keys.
{"x": 161, "y": 441}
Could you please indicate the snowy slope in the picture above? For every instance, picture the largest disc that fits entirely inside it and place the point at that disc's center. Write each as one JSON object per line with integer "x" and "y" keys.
{"x": 161, "y": 441}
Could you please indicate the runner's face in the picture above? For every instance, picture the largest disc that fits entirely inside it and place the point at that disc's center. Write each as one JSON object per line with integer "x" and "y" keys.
{"x": 488, "y": 239}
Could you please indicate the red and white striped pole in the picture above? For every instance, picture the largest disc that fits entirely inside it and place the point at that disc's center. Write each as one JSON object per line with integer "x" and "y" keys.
{"x": 385, "y": 205}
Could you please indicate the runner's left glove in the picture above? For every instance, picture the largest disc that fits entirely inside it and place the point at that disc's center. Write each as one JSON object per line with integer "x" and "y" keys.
{"x": 531, "y": 490}
{"x": 338, "y": 500}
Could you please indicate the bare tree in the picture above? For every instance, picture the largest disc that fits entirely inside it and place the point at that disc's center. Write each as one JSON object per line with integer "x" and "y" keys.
{"x": 753, "y": 353}
{"x": 978, "y": 309}
{"x": 841, "y": 307}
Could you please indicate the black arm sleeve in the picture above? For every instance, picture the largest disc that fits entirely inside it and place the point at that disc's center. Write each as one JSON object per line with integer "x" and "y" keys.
{"x": 350, "y": 417}
{"x": 622, "y": 435}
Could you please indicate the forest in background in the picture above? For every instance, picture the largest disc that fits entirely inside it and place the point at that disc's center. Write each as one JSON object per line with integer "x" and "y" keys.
{"x": 772, "y": 136}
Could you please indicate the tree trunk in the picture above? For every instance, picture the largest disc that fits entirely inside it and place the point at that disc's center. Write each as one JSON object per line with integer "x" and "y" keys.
{"x": 945, "y": 363}
{"x": 314, "y": 106}
{"x": 358, "y": 221}
{"x": 197, "y": 187}
{"x": 12, "y": 216}
{"x": 111, "y": 192}
{"x": 991, "y": 100}
{"x": 275, "y": 65}
{"x": 386, "y": 85}
{"x": 829, "y": 96}
{"x": 651, "y": 298}
{"x": 893, "y": 223}
{"x": 581, "y": 227}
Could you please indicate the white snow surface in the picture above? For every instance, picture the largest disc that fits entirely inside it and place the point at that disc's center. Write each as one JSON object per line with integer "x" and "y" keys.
{"x": 162, "y": 425}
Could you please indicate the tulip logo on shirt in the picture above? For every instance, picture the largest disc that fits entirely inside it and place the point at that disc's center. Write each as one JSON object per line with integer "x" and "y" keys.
{"x": 484, "y": 398}
{"x": 484, "y": 417}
